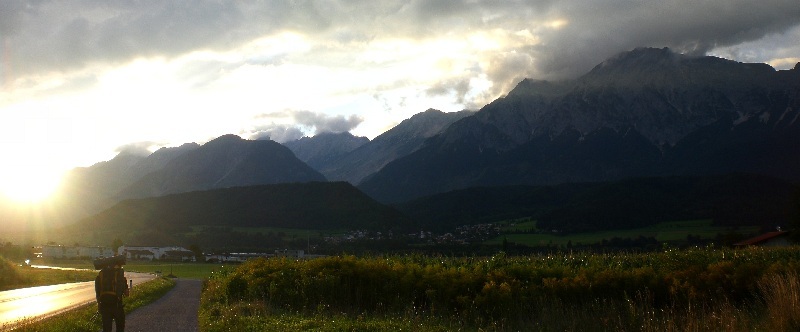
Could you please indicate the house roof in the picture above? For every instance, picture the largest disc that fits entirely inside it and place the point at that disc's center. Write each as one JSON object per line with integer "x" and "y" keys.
{"x": 179, "y": 253}
{"x": 761, "y": 238}
{"x": 140, "y": 252}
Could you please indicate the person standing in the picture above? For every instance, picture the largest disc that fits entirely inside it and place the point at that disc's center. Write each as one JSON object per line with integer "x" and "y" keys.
{"x": 110, "y": 286}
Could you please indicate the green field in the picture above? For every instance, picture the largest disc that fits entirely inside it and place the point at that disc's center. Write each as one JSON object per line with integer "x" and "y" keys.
{"x": 178, "y": 269}
{"x": 14, "y": 275}
{"x": 519, "y": 225}
{"x": 675, "y": 231}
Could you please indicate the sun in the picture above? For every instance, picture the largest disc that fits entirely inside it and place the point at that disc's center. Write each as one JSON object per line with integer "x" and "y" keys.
{"x": 28, "y": 184}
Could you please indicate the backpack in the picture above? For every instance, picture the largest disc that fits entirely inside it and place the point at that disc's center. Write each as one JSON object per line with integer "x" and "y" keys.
{"x": 110, "y": 285}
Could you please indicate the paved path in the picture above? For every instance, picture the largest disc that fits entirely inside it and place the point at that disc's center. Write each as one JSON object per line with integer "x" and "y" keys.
{"x": 175, "y": 311}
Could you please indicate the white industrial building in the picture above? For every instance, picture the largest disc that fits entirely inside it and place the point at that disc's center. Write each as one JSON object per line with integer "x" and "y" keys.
{"x": 160, "y": 253}
{"x": 54, "y": 251}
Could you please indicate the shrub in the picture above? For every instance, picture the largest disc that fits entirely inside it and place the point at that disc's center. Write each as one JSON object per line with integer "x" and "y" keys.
{"x": 502, "y": 291}
{"x": 9, "y": 274}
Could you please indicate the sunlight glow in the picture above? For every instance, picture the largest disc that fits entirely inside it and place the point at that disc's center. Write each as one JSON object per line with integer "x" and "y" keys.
{"x": 34, "y": 146}
{"x": 28, "y": 184}
{"x": 56, "y": 122}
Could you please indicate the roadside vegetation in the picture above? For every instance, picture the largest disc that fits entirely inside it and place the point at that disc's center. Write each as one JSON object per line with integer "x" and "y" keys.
{"x": 184, "y": 270}
{"x": 86, "y": 318}
{"x": 16, "y": 275}
{"x": 694, "y": 289}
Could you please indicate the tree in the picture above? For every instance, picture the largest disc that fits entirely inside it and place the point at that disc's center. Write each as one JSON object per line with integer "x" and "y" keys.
{"x": 116, "y": 244}
{"x": 198, "y": 253}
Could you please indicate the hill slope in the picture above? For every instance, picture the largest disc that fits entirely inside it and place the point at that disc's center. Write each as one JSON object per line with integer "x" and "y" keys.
{"x": 313, "y": 205}
{"x": 729, "y": 200}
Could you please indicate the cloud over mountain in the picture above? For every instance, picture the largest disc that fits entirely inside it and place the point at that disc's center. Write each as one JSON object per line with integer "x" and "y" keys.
{"x": 547, "y": 38}
{"x": 304, "y": 121}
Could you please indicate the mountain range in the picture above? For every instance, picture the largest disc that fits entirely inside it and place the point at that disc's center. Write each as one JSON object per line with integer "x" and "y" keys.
{"x": 370, "y": 156}
{"x": 227, "y": 161}
{"x": 230, "y": 161}
{"x": 647, "y": 112}
{"x": 320, "y": 150}
{"x": 641, "y": 114}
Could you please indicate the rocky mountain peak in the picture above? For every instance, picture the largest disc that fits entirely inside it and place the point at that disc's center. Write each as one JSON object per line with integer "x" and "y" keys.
{"x": 428, "y": 123}
{"x": 643, "y": 57}
{"x": 224, "y": 140}
{"x": 667, "y": 69}
{"x": 322, "y": 148}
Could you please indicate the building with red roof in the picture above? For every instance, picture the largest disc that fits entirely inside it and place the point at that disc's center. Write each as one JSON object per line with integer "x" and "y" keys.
{"x": 771, "y": 239}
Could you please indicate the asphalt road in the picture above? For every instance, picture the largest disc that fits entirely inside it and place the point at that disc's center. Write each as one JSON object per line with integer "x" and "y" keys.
{"x": 43, "y": 301}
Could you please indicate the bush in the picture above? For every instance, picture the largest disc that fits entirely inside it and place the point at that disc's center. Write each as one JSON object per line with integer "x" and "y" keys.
{"x": 495, "y": 290}
{"x": 9, "y": 274}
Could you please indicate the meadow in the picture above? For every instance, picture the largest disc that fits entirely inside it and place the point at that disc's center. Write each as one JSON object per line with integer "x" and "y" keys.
{"x": 15, "y": 275}
{"x": 665, "y": 232}
{"x": 177, "y": 269}
{"x": 186, "y": 270}
{"x": 702, "y": 289}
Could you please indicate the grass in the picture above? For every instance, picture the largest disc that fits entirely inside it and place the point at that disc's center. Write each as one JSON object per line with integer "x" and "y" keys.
{"x": 15, "y": 276}
{"x": 519, "y": 225}
{"x": 179, "y": 269}
{"x": 41, "y": 277}
{"x": 86, "y": 318}
{"x": 279, "y": 322}
{"x": 676, "y": 231}
{"x": 780, "y": 313}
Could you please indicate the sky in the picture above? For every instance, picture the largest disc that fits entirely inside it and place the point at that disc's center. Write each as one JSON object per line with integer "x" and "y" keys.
{"x": 83, "y": 80}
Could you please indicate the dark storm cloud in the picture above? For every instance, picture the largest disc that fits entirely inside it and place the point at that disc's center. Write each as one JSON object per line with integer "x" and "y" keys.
{"x": 277, "y": 133}
{"x": 597, "y": 31}
{"x": 60, "y": 35}
{"x": 323, "y": 123}
{"x": 459, "y": 87}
